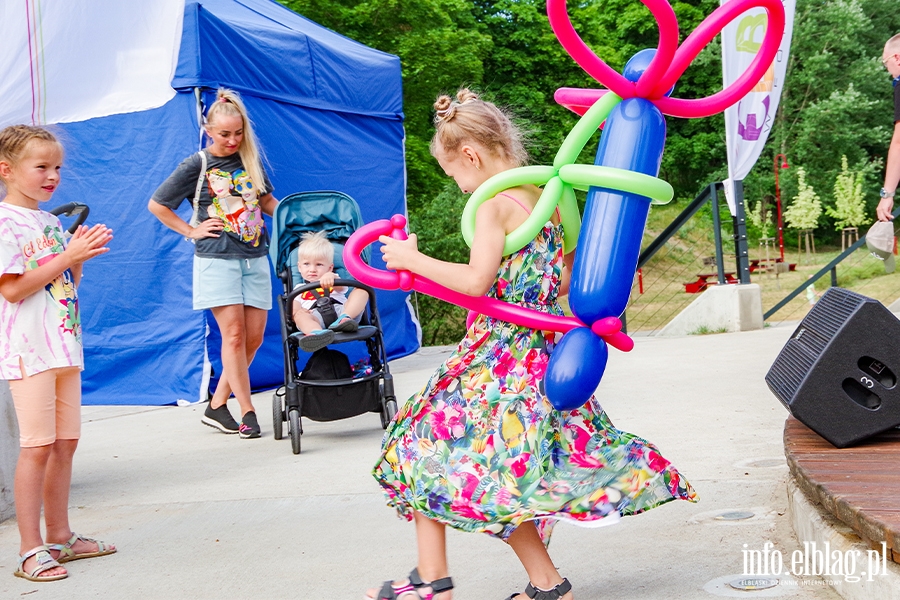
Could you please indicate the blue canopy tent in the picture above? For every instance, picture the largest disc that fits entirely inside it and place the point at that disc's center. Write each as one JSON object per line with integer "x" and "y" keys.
{"x": 328, "y": 113}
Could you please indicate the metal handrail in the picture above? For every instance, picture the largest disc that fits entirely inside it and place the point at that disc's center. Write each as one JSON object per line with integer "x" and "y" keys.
{"x": 832, "y": 266}
{"x": 708, "y": 193}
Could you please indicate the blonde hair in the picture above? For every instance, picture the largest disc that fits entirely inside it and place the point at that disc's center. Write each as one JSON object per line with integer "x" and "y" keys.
{"x": 14, "y": 142}
{"x": 468, "y": 118}
{"x": 229, "y": 103}
{"x": 315, "y": 245}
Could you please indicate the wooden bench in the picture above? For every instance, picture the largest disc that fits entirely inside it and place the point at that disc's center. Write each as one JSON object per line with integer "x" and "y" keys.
{"x": 703, "y": 282}
{"x": 859, "y": 485}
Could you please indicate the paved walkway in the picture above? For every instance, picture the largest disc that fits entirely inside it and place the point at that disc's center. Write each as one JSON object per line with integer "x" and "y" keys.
{"x": 197, "y": 514}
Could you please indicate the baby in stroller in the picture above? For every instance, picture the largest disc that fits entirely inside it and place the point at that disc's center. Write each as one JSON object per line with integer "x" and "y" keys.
{"x": 319, "y": 313}
{"x": 339, "y": 311}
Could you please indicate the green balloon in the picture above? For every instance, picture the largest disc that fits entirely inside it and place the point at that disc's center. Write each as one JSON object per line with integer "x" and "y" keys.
{"x": 584, "y": 129}
{"x": 537, "y": 175}
{"x": 570, "y": 218}
{"x": 560, "y": 182}
{"x": 583, "y": 177}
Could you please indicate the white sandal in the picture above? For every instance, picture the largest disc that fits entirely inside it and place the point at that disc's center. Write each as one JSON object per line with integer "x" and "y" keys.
{"x": 45, "y": 562}
{"x": 66, "y": 554}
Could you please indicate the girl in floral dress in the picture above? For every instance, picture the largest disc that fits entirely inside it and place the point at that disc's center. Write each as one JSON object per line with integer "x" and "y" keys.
{"x": 480, "y": 448}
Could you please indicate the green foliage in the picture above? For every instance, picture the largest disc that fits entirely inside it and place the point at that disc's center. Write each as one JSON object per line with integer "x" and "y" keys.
{"x": 805, "y": 210}
{"x": 706, "y": 330}
{"x": 849, "y": 206}
{"x": 836, "y": 99}
{"x": 438, "y": 229}
{"x": 760, "y": 216}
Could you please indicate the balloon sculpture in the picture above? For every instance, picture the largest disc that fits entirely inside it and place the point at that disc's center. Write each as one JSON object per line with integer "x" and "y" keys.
{"x": 621, "y": 185}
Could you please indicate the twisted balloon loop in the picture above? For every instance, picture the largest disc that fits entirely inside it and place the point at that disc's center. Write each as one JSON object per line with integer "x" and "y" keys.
{"x": 670, "y": 61}
{"x": 560, "y": 182}
{"x": 609, "y": 329}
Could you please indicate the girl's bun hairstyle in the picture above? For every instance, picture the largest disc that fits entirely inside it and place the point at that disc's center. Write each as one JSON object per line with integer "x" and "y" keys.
{"x": 469, "y": 118}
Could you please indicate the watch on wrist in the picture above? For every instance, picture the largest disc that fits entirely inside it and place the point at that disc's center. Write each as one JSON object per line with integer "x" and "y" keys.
{"x": 886, "y": 194}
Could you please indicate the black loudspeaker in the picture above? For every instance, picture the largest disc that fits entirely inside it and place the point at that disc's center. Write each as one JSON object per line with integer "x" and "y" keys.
{"x": 838, "y": 373}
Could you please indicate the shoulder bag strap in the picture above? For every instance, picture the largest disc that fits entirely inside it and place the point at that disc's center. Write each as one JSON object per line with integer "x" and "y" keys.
{"x": 195, "y": 219}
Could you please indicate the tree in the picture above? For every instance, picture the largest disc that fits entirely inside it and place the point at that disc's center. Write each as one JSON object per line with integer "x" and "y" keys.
{"x": 836, "y": 98}
{"x": 804, "y": 212}
{"x": 849, "y": 205}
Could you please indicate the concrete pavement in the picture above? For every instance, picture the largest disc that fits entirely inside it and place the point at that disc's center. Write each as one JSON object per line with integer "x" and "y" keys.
{"x": 197, "y": 514}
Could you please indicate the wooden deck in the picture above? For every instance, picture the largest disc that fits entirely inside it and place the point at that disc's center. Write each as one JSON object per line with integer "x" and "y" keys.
{"x": 859, "y": 485}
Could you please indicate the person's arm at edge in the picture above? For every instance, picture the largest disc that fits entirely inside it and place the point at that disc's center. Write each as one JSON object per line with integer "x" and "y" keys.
{"x": 891, "y": 176}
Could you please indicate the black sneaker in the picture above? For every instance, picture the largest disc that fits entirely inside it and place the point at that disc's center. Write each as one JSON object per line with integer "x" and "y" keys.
{"x": 249, "y": 426}
{"x": 220, "y": 418}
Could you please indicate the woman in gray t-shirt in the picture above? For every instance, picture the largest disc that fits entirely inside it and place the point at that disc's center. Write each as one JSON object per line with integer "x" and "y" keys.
{"x": 231, "y": 267}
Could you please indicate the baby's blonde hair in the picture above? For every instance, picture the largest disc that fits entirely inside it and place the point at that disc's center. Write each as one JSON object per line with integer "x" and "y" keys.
{"x": 229, "y": 103}
{"x": 315, "y": 245}
{"x": 468, "y": 118}
{"x": 14, "y": 142}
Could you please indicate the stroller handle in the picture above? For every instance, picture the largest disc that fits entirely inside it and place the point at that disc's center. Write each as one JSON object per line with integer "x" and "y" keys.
{"x": 289, "y": 298}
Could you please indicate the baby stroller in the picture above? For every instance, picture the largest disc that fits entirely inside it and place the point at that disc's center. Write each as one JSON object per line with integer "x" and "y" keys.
{"x": 341, "y": 394}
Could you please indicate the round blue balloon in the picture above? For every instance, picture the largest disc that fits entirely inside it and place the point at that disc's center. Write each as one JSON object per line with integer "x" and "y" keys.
{"x": 575, "y": 369}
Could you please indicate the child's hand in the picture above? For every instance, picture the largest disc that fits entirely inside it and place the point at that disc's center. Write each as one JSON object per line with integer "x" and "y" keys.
{"x": 86, "y": 243}
{"x": 399, "y": 254}
{"x": 327, "y": 280}
{"x": 207, "y": 228}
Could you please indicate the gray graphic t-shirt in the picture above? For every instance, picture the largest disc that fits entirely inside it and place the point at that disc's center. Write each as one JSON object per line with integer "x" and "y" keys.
{"x": 228, "y": 194}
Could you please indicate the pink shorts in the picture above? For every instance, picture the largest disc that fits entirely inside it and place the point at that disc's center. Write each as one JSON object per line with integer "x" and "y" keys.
{"x": 48, "y": 406}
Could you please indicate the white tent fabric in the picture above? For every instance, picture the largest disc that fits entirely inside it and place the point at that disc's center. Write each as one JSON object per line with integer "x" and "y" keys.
{"x": 748, "y": 123}
{"x": 65, "y": 61}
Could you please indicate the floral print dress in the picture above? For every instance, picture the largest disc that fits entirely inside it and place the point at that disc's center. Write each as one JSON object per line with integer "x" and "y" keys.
{"x": 480, "y": 448}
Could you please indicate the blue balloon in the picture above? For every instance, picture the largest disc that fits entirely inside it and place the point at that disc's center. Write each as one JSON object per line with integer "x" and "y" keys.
{"x": 575, "y": 369}
{"x": 613, "y": 223}
{"x": 609, "y": 244}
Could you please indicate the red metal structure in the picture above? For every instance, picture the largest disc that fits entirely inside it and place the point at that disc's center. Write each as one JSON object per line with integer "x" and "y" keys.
{"x": 784, "y": 165}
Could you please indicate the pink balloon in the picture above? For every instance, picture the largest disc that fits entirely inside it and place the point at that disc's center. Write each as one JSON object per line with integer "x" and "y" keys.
{"x": 609, "y": 330}
{"x": 708, "y": 29}
{"x": 670, "y": 61}
{"x": 665, "y": 51}
{"x": 578, "y": 100}
{"x": 584, "y": 56}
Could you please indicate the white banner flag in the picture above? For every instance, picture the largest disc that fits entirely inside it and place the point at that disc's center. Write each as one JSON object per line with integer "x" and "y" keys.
{"x": 748, "y": 123}
{"x": 65, "y": 61}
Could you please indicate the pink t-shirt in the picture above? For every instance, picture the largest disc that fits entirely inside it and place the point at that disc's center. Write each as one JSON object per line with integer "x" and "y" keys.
{"x": 44, "y": 329}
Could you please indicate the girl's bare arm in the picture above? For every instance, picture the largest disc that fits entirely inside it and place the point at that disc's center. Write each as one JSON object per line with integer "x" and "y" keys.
{"x": 474, "y": 278}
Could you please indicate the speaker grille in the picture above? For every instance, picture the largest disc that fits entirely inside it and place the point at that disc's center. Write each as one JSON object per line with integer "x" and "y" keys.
{"x": 788, "y": 372}
{"x": 810, "y": 340}
{"x": 833, "y": 311}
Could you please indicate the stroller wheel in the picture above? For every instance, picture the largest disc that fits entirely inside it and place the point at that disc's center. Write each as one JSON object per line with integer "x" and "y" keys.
{"x": 294, "y": 417}
{"x": 277, "y": 416}
{"x": 388, "y": 412}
